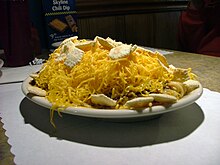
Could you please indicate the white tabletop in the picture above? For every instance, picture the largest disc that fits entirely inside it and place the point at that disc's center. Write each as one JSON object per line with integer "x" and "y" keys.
{"x": 190, "y": 135}
{"x": 16, "y": 74}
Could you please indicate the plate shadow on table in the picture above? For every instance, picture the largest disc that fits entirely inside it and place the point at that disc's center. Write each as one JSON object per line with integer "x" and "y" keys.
{"x": 168, "y": 127}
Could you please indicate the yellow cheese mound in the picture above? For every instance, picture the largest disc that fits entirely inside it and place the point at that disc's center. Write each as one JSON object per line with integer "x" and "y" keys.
{"x": 138, "y": 74}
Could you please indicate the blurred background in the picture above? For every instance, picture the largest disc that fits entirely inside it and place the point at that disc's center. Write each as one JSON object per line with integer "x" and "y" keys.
{"x": 151, "y": 23}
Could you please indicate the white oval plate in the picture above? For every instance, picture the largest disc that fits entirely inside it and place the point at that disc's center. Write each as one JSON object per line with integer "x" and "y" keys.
{"x": 112, "y": 113}
{"x": 56, "y": 44}
{"x": 1, "y": 63}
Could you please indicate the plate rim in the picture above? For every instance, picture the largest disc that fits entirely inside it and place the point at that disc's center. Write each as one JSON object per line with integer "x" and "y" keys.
{"x": 113, "y": 113}
{"x": 56, "y": 44}
{"x": 1, "y": 63}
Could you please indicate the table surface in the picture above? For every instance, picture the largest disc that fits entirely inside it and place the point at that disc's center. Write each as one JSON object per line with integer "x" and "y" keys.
{"x": 206, "y": 67}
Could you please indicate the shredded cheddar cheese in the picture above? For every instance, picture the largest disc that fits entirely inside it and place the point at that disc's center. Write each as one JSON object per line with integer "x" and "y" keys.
{"x": 137, "y": 74}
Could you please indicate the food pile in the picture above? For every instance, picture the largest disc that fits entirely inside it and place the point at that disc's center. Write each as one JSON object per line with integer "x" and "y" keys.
{"x": 104, "y": 73}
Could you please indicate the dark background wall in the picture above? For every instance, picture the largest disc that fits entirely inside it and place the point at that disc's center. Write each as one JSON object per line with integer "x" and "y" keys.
{"x": 151, "y": 23}
{"x": 37, "y": 18}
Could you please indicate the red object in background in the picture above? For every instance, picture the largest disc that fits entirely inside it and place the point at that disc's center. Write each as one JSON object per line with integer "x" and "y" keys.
{"x": 15, "y": 32}
{"x": 199, "y": 29}
{"x": 35, "y": 41}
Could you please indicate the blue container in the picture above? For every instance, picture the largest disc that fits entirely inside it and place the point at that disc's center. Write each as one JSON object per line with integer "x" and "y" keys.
{"x": 60, "y": 20}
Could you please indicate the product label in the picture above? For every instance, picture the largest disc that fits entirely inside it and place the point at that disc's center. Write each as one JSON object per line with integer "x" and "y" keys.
{"x": 60, "y": 20}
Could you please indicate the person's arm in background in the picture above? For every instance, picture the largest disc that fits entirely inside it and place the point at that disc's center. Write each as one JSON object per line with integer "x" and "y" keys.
{"x": 191, "y": 26}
